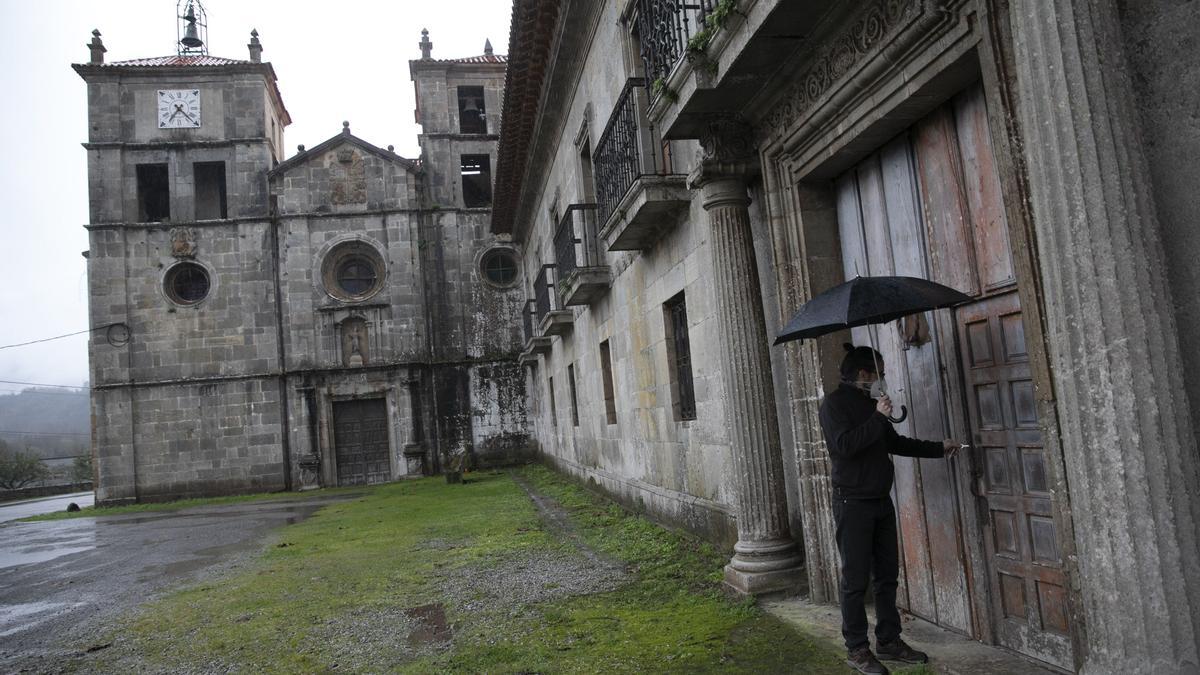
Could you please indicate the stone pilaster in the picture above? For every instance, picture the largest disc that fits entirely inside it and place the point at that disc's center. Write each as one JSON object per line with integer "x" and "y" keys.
{"x": 1129, "y": 449}
{"x": 765, "y": 557}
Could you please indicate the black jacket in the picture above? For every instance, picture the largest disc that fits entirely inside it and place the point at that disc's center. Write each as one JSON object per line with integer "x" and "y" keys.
{"x": 860, "y": 440}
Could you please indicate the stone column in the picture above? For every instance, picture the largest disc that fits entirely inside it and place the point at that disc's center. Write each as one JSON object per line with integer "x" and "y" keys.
{"x": 765, "y": 557}
{"x": 1129, "y": 449}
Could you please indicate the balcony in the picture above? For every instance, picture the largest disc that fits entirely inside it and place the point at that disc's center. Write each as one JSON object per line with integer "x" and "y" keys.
{"x": 534, "y": 343}
{"x": 665, "y": 27}
{"x": 583, "y": 274}
{"x": 638, "y": 195}
{"x": 551, "y": 318}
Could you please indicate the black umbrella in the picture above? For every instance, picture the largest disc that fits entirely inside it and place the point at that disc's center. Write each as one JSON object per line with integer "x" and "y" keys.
{"x": 867, "y": 300}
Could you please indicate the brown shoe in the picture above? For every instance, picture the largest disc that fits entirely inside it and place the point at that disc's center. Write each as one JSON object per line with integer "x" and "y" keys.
{"x": 898, "y": 650}
{"x": 864, "y": 661}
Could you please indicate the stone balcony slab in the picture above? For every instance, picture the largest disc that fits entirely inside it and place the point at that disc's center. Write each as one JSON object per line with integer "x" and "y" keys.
{"x": 557, "y": 322}
{"x": 585, "y": 285}
{"x": 647, "y": 211}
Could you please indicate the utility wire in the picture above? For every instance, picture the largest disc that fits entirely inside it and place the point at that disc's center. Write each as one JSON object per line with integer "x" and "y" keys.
{"x": 43, "y": 384}
{"x": 46, "y": 433}
{"x": 57, "y": 337}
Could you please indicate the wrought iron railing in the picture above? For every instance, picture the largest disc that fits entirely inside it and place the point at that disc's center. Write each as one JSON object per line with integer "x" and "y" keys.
{"x": 542, "y": 292}
{"x": 664, "y": 29}
{"x": 575, "y": 240}
{"x": 626, "y": 150}
{"x": 527, "y": 319}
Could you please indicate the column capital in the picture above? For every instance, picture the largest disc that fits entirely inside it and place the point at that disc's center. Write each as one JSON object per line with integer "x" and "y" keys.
{"x": 727, "y": 152}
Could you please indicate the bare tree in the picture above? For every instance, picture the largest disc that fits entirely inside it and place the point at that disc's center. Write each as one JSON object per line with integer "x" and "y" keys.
{"x": 18, "y": 469}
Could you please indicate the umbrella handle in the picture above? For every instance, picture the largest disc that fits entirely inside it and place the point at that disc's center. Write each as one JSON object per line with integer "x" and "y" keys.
{"x": 903, "y": 416}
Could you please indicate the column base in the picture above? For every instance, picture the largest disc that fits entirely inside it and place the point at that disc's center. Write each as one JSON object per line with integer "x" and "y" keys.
{"x": 783, "y": 582}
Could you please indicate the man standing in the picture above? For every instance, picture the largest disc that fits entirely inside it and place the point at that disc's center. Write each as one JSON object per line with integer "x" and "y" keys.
{"x": 860, "y": 438}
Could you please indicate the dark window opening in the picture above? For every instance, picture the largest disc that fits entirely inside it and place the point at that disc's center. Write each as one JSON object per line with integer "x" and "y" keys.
{"x": 476, "y": 181}
{"x": 585, "y": 172}
{"x": 356, "y": 275}
{"x": 187, "y": 283}
{"x": 210, "y": 190}
{"x": 472, "y": 118}
{"x": 553, "y": 407}
{"x": 679, "y": 353}
{"x": 499, "y": 266}
{"x": 574, "y": 400}
{"x": 610, "y": 402}
{"x": 154, "y": 193}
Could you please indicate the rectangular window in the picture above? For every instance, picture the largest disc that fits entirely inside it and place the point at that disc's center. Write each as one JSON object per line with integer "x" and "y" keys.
{"x": 210, "y": 190}
{"x": 472, "y": 118}
{"x": 679, "y": 353}
{"x": 476, "y": 181}
{"x": 574, "y": 400}
{"x": 610, "y": 403}
{"x": 588, "y": 189}
{"x": 153, "y": 193}
{"x": 553, "y": 408}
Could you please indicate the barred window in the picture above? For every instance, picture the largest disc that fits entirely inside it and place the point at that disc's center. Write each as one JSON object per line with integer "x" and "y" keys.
{"x": 679, "y": 352}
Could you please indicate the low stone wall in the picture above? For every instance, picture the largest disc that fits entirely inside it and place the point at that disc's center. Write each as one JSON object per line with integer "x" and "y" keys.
{"x": 44, "y": 491}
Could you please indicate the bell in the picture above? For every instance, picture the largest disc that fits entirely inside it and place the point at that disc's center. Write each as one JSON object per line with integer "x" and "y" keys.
{"x": 471, "y": 107}
{"x": 190, "y": 39}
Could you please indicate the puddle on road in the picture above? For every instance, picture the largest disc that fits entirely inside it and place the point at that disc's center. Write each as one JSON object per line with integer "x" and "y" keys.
{"x": 29, "y": 543}
{"x": 16, "y": 618}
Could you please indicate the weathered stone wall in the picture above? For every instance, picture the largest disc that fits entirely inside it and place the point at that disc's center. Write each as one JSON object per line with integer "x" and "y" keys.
{"x": 1162, "y": 39}
{"x": 676, "y": 471}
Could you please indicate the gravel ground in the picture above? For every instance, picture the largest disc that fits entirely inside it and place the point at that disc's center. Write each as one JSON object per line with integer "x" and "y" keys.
{"x": 370, "y": 639}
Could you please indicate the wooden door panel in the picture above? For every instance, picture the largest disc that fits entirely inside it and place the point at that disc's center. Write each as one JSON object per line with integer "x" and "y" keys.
{"x": 982, "y": 190}
{"x": 1028, "y": 583}
{"x": 361, "y": 447}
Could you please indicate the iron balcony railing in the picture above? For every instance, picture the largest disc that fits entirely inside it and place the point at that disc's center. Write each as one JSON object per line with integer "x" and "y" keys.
{"x": 627, "y": 150}
{"x": 575, "y": 240}
{"x": 664, "y": 29}
{"x": 527, "y": 319}
{"x": 543, "y": 293}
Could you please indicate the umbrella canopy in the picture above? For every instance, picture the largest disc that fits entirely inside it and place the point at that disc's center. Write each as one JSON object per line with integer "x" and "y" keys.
{"x": 867, "y": 300}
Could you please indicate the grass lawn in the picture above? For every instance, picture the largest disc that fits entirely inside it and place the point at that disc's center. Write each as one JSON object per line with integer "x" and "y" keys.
{"x": 177, "y": 505}
{"x": 424, "y": 577}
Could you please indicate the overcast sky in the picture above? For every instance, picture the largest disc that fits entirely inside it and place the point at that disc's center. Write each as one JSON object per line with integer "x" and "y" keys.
{"x": 345, "y": 60}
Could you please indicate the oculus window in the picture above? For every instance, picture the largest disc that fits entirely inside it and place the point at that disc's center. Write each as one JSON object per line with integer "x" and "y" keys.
{"x": 499, "y": 267}
{"x": 186, "y": 283}
{"x": 352, "y": 271}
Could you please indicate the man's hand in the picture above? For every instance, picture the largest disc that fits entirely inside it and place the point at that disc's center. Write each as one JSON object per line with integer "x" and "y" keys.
{"x": 884, "y": 406}
{"x": 950, "y": 448}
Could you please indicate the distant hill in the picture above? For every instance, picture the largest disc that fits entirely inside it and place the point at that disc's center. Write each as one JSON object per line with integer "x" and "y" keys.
{"x": 58, "y": 421}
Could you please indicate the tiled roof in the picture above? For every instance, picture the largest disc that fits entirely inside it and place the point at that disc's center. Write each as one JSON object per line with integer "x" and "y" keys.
{"x": 175, "y": 60}
{"x": 529, "y": 41}
{"x": 485, "y": 58}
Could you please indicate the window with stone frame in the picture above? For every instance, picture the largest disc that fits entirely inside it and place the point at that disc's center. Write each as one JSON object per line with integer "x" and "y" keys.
{"x": 472, "y": 117}
{"x": 679, "y": 353}
{"x": 476, "y": 181}
{"x": 610, "y": 399}
{"x": 574, "y": 398}
{"x": 209, "y": 180}
{"x": 153, "y": 193}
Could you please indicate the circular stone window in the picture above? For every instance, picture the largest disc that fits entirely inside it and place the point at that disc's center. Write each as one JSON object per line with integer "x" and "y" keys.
{"x": 187, "y": 283}
{"x": 499, "y": 267}
{"x": 352, "y": 271}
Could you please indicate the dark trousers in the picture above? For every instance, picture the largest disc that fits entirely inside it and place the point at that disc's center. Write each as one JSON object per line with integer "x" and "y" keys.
{"x": 866, "y": 539}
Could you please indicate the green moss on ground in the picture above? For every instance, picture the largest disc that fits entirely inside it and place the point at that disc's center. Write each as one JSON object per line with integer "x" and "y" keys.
{"x": 339, "y": 592}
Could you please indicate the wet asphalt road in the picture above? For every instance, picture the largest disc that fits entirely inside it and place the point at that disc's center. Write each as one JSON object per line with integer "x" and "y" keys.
{"x": 36, "y": 507}
{"x": 59, "y": 580}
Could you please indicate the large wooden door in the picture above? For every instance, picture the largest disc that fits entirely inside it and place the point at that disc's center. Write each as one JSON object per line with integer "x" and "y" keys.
{"x": 1028, "y": 586}
{"x": 360, "y": 440}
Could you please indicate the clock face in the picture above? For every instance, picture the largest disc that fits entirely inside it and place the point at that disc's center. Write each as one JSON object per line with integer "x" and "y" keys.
{"x": 178, "y": 108}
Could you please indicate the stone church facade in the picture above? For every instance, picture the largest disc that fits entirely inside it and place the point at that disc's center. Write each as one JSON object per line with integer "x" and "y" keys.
{"x": 340, "y": 316}
{"x": 681, "y": 177}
